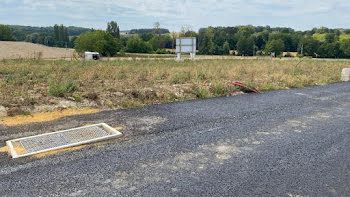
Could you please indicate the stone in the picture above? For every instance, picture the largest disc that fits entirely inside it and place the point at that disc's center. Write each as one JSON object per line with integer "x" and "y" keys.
{"x": 3, "y": 111}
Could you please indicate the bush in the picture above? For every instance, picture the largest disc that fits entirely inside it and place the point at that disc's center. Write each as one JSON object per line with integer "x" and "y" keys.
{"x": 161, "y": 51}
{"x": 62, "y": 90}
{"x": 98, "y": 41}
{"x": 300, "y": 55}
{"x": 220, "y": 90}
{"x": 200, "y": 93}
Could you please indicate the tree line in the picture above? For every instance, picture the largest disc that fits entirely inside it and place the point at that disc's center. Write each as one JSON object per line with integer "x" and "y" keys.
{"x": 55, "y": 36}
{"x": 239, "y": 40}
{"x": 244, "y": 41}
{"x": 250, "y": 40}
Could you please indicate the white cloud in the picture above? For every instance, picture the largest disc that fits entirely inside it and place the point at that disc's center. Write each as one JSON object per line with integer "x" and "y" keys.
{"x": 199, "y": 13}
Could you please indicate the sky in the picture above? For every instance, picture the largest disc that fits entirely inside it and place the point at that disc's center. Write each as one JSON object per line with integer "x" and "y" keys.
{"x": 131, "y": 14}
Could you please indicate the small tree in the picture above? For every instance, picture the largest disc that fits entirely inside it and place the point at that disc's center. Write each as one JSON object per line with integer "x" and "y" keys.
{"x": 207, "y": 45}
{"x": 157, "y": 29}
{"x": 113, "y": 29}
{"x": 275, "y": 46}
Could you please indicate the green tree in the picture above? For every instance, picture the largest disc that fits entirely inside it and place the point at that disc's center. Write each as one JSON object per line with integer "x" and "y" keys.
{"x": 136, "y": 45}
{"x": 245, "y": 46}
{"x": 309, "y": 46}
{"x": 157, "y": 29}
{"x": 56, "y": 32}
{"x": 226, "y": 48}
{"x": 246, "y": 31}
{"x": 330, "y": 38}
{"x": 345, "y": 47}
{"x": 99, "y": 41}
{"x": 207, "y": 45}
{"x": 72, "y": 41}
{"x": 330, "y": 50}
{"x": 156, "y": 42}
{"x": 147, "y": 36}
{"x": 61, "y": 36}
{"x": 260, "y": 39}
{"x": 113, "y": 29}
{"x": 5, "y": 33}
{"x": 289, "y": 45}
{"x": 275, "y": 46}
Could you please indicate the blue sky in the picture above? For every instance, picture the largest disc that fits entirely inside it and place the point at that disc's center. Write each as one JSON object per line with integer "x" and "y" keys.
{"x": 298, "y": 14}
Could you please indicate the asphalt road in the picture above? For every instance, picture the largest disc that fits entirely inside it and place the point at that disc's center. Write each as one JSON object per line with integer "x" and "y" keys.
{"x": 280, "y": 143}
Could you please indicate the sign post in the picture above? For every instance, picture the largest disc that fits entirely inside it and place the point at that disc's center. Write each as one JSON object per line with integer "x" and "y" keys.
{"x": 186, "y": 45}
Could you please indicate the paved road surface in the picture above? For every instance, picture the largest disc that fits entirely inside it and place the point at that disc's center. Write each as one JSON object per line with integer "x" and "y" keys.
{"x": 280, "y": 143}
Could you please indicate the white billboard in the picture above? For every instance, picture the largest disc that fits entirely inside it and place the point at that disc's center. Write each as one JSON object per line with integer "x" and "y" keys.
{"x": 186, "y": 45}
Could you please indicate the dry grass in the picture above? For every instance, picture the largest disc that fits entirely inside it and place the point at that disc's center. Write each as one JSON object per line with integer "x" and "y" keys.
{"x": 28, "y": 85}
{"x": 15, "y": 50}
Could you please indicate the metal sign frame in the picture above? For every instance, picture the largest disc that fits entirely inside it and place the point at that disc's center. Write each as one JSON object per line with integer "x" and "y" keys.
{"x": 186, "y": 45}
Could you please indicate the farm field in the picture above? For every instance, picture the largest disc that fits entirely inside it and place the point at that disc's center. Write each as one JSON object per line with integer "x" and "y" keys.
{"x": 28, "y": 86}
{"x": 16, "y": 50}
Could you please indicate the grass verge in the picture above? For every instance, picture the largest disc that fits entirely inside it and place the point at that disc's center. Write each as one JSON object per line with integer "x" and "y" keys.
{"x": 29, "y": 84}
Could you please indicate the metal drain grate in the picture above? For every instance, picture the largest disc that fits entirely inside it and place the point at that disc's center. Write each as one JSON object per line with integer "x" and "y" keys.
{"x": 62, "y": 139}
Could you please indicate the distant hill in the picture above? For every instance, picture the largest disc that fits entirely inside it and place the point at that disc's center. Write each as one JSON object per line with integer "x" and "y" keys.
{"x": 21, "y": 32}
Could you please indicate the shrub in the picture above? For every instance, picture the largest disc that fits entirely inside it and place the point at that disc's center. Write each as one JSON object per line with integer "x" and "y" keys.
{"x": 220, "y": 90}
{"x": 300, "y": 55}
{"x": 161, "y": 51}
{"x": 200, "y": 93}
{"x": 62, "y": 90}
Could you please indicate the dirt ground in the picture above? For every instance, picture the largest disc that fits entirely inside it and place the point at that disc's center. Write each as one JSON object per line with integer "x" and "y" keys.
{"x": 16, "y": 50}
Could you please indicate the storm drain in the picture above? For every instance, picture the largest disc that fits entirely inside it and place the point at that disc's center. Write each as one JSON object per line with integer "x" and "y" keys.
{"x": 61, "y": 139}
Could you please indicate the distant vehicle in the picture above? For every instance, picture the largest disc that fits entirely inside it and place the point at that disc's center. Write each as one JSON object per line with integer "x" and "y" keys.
{"x": 92, "y": 56}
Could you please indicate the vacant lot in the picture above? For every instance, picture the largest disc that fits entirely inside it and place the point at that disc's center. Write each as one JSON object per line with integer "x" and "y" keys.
{"x": 44, "y": 85}
{"x": 15, "y": 50}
